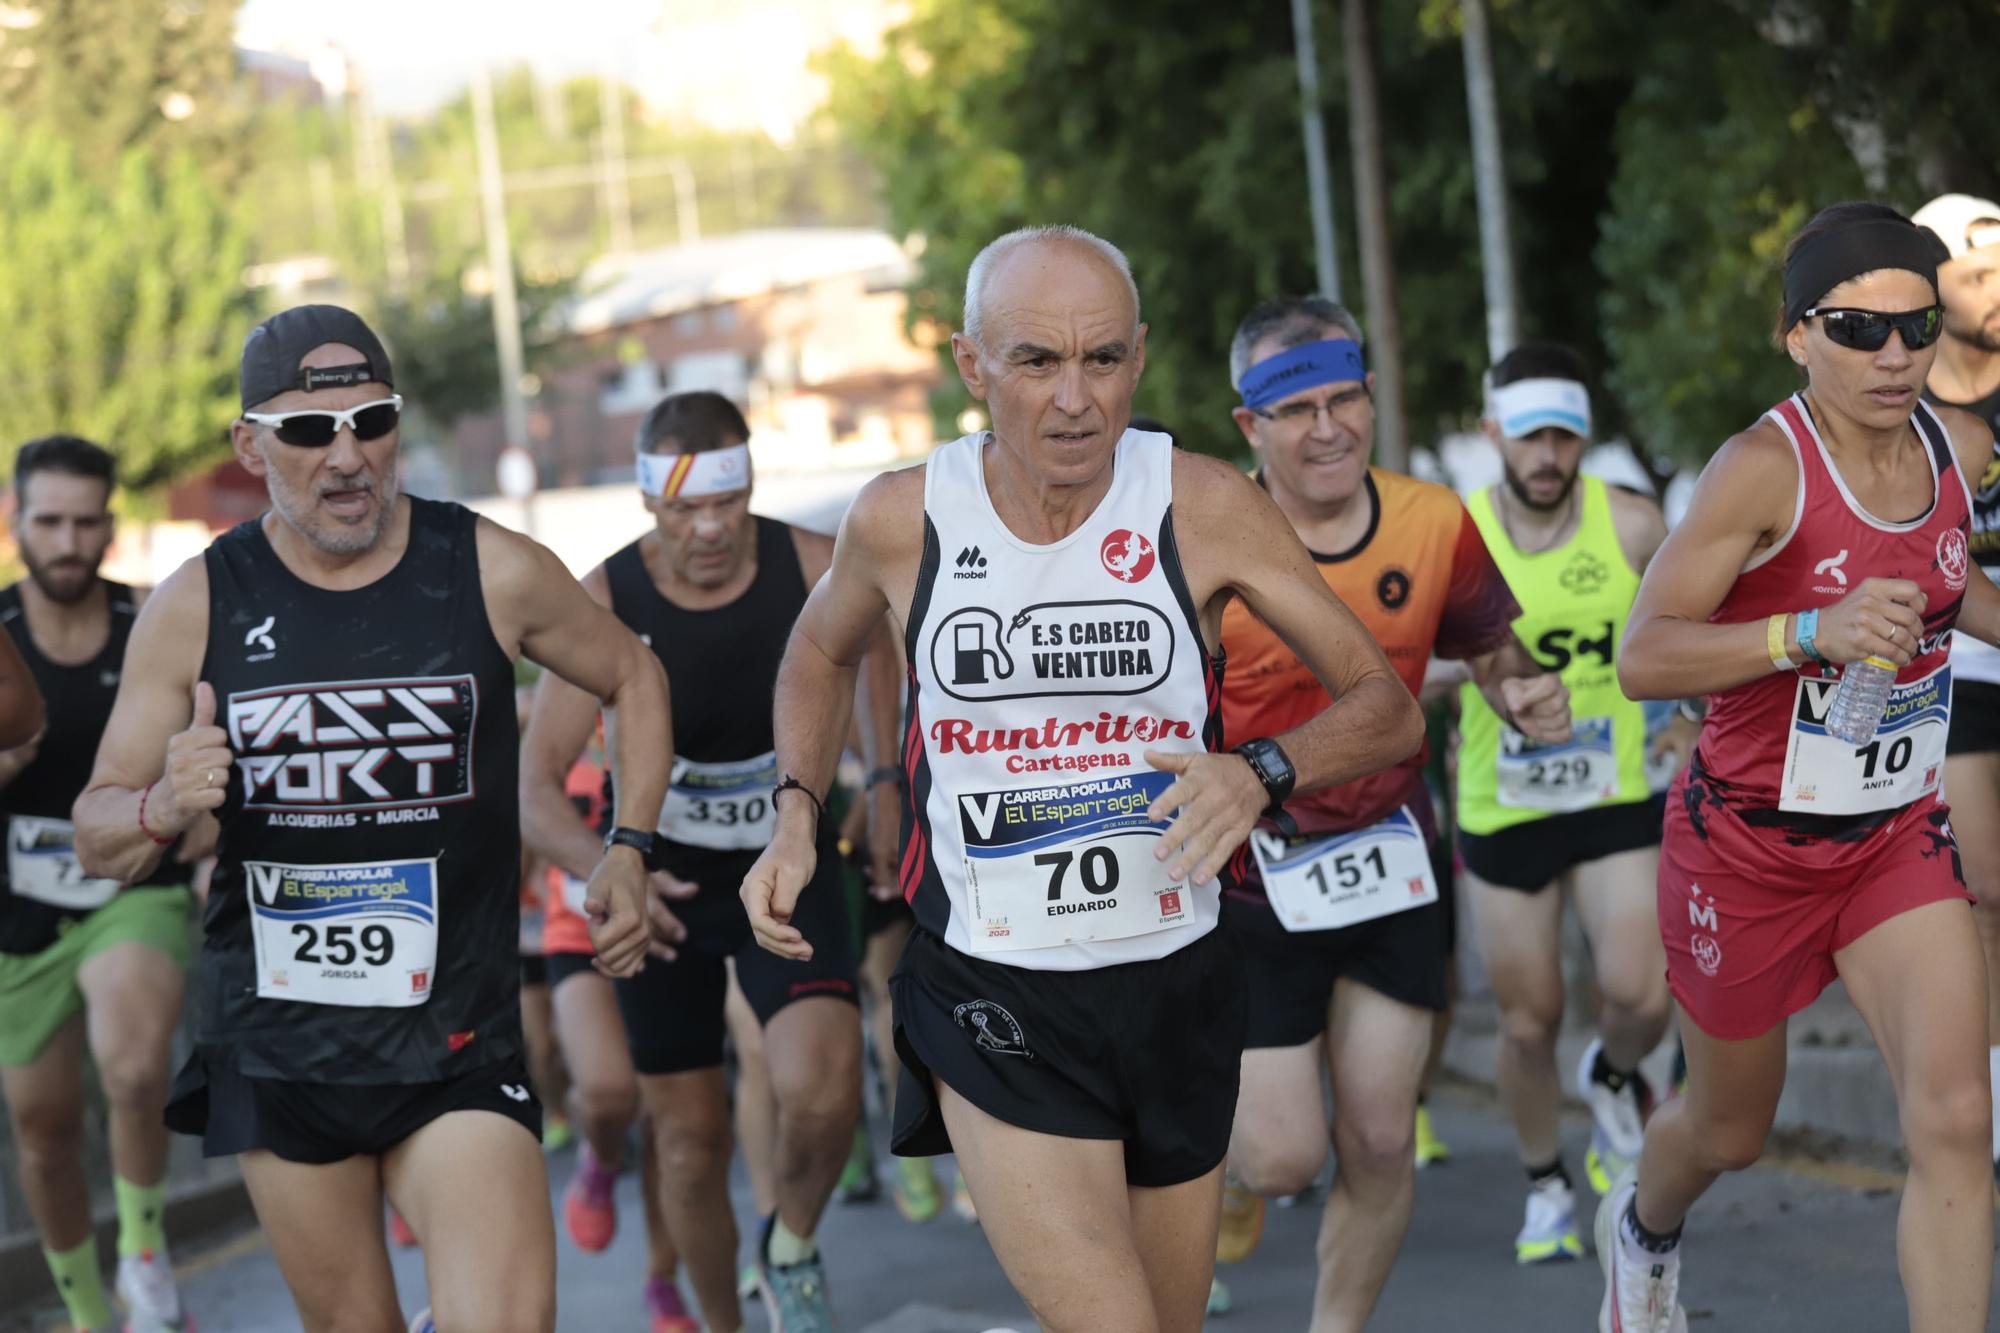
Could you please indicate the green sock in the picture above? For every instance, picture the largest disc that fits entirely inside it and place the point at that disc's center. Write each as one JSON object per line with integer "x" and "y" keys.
{"x": 141, "y": 1217}
{"x": 81, "y": 1284}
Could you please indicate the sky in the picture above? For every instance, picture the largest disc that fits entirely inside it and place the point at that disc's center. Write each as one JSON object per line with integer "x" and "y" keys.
{"x": 729, "y": 63}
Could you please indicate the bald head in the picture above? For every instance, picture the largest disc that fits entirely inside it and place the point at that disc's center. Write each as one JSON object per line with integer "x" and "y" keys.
{"x": 1035, "y": 263}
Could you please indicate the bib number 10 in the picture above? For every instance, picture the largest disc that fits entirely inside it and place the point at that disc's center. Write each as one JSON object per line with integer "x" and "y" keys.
{"x": 1349, "y": 869}
{"x": 1898, "y": 758}
{"x": 1097, "y": 868}
{"x": 341, "y": 946}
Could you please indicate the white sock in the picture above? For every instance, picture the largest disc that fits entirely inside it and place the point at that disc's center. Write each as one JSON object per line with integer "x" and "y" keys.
{"x": 1993, "y": 1070}
{"x": 787, "y": 1249}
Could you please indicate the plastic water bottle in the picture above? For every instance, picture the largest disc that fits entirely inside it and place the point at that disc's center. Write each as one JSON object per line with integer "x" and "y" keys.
{"x": 1859, "y": 699}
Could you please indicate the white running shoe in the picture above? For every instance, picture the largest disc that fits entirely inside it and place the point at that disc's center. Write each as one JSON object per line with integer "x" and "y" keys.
{"x": 1617, "y": 1121}
{"x": 1639, "y": 1296}
{"x": 1549, "y": 1229}
{"x": 423, "y": 1323}
{"x": 152, "y": 1301}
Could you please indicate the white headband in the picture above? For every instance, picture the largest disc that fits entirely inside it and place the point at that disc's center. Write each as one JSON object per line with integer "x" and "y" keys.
{"x": 1525, "y": 406}
{"x": 691, "y": 476}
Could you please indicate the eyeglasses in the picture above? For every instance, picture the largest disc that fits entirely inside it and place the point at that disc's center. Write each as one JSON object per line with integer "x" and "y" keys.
{"x": 1868, "y": 330}
{"x": 315, "y": 430}
{"x": 1306, "y": 410}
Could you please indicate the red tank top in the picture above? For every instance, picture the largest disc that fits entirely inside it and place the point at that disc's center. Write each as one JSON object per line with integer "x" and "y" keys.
{"x": 1764, "y": 743}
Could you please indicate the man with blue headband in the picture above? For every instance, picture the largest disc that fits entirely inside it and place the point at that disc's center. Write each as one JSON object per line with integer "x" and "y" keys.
{"x": 1338, "y": 906}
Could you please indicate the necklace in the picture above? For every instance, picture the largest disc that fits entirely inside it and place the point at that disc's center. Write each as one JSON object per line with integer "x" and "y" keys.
{"x": 1563, "y": 530}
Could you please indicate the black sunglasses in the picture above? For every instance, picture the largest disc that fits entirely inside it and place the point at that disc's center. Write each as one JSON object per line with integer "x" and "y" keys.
{"x": 315, "y": 430}
{"x": 1868, "y": 330}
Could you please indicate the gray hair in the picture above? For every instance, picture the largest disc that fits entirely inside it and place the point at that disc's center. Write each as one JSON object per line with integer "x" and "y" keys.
{"x": 1294, "y": 321}
{"x": 983, "y": 264}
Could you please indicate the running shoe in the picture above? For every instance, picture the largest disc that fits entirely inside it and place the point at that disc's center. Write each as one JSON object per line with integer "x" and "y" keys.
{"x": 1242, "y": 1221}
{"x": 590, "y": 1214}
{"x": 1548, "y": 1231}
{"x": 915, "y": 1190}
{"x": 961, "y": 1200}
{"x": 1431, "y": 1149}
{"x": 746, "y": 1282}
{"x": 1219, "y": 1303}
{"x": 423, "y": 1323}
{"x": 795, "y": 1297}
{"x": 1639, "y": 1297}
{"x": 857, "y": 1180}
{"x": 400, "y": 1234}
{"x": 666, "y": 1309}
{"x": 556, "y": 1133}
{"x": 152, "y": 1301}
{"x": 1617, "y": 1121}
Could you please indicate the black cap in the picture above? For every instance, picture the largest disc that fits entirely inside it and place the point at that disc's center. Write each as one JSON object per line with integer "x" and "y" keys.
{"x": 272, "y": 352}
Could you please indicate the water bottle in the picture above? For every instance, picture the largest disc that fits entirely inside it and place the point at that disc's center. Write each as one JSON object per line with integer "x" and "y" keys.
{"x": 1859, "y": 699}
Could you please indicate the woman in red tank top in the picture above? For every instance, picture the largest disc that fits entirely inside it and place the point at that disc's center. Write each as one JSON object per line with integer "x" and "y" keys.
{"x": 1831, "y": 530}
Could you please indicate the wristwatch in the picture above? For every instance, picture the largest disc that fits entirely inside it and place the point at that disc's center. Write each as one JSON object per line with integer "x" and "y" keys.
{"x": 639, "y": 840}
{"x": 1271, "y": 766}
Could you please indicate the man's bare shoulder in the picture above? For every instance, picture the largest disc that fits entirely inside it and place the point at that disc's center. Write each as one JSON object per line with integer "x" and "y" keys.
{"x": 509, "y": 561}
{"x": 1211, "y": 496}
{"x": 887, "y": 516}
{"x": 1971, "y": 439}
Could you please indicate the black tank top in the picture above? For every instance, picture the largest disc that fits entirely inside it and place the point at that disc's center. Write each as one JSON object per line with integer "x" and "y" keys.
{"x": 1985, "y": 487}
{"x": 40, "y": 840}
{"x": 362, "y": 923}
{"x": 722, "y": 671}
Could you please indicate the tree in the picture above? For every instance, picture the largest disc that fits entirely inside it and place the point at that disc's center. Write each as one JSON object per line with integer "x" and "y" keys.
{"x": 122, "y": 305}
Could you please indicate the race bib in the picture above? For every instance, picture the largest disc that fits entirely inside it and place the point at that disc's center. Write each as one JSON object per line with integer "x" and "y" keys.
{"x": 42, "y": 865}
{"x": 1324, "y": 882}
{"x": 724, "y": 806}
{"x": 1826, "y": 776}
{"x": 1055, "y": 865}
{"x": 362, "y": 934}
{"x": 574, "y": 892}
{"x": 1660, "y": 769}
{"x": 1572, "y": 775}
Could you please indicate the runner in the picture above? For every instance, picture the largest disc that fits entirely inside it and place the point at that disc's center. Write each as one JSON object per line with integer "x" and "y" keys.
{"x": 333, "y": 680}
{"x": 1347, "y": 939}
{"x": 714, "y": 591}
{"x": 604, "y": 1090}
{"x": 1069, "y": 1021}
{"x": 1537, "y": 822}
{"x": 83, "y": 964}
{"x": 1832, "y": 530}
{"x": 1966, "y": 374}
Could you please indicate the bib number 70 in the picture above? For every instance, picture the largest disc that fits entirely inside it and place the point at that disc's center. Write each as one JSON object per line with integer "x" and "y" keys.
{"x": 1097, "y": 868}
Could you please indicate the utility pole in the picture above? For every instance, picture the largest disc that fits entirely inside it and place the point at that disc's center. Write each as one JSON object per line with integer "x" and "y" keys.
{"x": 611, "y": 150}
{"x": 1319, "y": 183}
{"x": 1496, "y": 243}
{"x": 500, "y": 263}
{"x": 1378, "y": 260}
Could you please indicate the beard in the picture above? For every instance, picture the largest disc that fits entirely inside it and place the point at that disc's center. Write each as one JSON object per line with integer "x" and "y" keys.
{"x": 1519, "y": 485}
{"x": 300, "y": 508}
{"x": 1980, "y": 333}
{"x": 64, "y": 582}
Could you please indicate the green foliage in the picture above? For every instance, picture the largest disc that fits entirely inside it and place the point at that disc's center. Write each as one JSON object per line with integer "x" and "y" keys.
{"x": 440, "y": 337}
{"x": 122, "y": 306}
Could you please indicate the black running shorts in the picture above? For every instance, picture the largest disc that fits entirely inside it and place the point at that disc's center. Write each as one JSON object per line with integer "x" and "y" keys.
{"x": 1405, "y": 956}
{"x": 1530, "y": 856}
{"x": 318, "y": 1123}
{"x": 673, "y": 1010}
{"x": 1975, "y": 718}
{"x": 1148, "y": 1053}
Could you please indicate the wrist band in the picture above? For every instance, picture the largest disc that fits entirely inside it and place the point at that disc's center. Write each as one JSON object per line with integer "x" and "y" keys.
{"x": 790, "y": 783}
{"x": 1808, "y": 628}
{"x": 158, "y": 841}
{"x": 1774, "y": 643}
{"x": 886, "y": 773}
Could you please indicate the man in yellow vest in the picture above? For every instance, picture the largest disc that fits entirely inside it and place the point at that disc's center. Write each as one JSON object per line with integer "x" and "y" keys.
{"x": 1535, "y": 819}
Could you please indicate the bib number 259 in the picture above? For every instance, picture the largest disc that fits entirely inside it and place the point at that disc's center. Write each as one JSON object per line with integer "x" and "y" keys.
{"x": 341, "y": 945}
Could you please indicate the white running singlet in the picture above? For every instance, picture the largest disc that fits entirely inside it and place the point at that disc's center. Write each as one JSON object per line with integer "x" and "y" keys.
{"x": 1042, "y": 675}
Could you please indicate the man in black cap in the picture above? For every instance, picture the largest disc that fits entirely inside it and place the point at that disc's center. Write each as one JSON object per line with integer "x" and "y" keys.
{"x": 334, "y": 681}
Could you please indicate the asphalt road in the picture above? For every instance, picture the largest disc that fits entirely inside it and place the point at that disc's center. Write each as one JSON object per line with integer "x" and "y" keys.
{"x": 1786, "y": 1246}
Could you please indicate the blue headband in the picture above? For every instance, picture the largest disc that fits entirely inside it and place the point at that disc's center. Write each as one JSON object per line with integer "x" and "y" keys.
{"x": 1335, "y": 361}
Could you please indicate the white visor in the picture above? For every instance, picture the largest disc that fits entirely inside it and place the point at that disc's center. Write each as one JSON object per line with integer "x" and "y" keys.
{"x": 691, "y": 476}
{"x": 1525, "y": 406}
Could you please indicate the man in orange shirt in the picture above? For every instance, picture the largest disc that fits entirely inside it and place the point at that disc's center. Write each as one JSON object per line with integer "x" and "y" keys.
{"x": 1348, "y": 940}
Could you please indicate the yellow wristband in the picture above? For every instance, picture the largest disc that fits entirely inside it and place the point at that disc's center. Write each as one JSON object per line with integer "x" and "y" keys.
{"x": 1774, "y": 642}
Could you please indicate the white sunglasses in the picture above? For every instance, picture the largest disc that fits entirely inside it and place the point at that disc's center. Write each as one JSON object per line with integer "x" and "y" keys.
{"x": 315, "y": 429}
